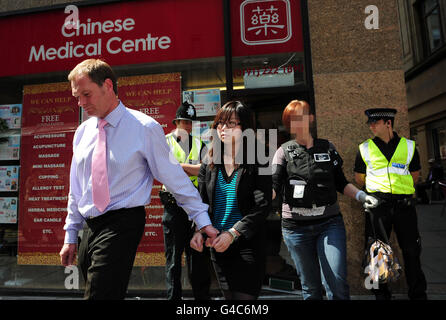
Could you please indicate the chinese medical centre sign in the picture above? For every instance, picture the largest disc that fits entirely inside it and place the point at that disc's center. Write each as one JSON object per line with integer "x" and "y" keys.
{"x": 136, "y": 32}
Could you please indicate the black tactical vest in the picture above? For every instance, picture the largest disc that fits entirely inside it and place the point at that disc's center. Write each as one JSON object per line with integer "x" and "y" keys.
{"x": 310, "y": 179}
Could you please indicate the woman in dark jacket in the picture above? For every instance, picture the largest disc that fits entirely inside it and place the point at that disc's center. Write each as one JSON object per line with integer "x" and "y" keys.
{"x": 228, "y": 182}
{"x": 307, "y": 173}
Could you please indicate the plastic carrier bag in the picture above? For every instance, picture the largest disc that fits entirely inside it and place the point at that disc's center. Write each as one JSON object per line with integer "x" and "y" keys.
{"x": 381, "y": 265}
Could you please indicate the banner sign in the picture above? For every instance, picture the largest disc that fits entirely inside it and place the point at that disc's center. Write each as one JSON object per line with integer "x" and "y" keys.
{"x": 50, "y": 118}
{"x": 159, "y": 97}
{"x": 137, "y": 32}
{"x": 130, "y": 32}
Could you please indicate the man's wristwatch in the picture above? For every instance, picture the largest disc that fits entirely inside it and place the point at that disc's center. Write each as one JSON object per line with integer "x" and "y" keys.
{"x": 233, "y": 234}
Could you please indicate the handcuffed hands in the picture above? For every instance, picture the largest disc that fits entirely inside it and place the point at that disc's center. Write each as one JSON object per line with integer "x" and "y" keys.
{"x": 220, "y": 243}
{"x": 197, "y": 241}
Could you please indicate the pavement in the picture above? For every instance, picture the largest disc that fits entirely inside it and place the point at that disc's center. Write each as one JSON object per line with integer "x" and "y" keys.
{"x": 432, "y": 227}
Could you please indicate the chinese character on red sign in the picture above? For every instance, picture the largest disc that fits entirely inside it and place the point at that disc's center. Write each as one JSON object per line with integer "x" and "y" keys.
{"x": 265, "y": 21}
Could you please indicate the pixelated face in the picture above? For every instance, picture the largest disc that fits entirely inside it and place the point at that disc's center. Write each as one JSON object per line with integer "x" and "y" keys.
{"x": 300, "y": 122}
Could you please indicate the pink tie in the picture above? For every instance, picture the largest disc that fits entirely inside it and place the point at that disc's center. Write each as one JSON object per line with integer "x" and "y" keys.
{"x": 101, "y": 195}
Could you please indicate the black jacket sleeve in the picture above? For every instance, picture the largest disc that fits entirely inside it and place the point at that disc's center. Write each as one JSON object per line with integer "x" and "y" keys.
{"x": 338, "y": 173}
{"x": 201, "y": 178}
{"x": 279, "y": 173}
{"x": 254, "y": 216}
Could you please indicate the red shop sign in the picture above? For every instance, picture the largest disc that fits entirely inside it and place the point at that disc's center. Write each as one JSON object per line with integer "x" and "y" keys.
{"x": 137, "y": 32}
{"x": 266, "y": 26}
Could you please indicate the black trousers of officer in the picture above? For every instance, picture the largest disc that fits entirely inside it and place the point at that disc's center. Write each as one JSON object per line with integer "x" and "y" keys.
{"x": 403, "y": 219}
{"x": 178, "y": 232}
{"x": 107, "y": 252}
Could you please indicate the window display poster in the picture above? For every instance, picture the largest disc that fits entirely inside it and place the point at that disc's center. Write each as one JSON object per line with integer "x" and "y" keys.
{"x": 158, "y": 96}
{"x": 206, "y": 102}
{"x": 12, "y": 114}
{"x": 9, "y": 178}
{"x": 10, "y": 147}
{"x": 8, "y": 210}
{"x": 50, "y": 117}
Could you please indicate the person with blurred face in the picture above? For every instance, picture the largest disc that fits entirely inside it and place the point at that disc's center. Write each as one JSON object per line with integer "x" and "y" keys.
{"x": 307, "y": 174}
{"x": 387, "y": 166}
{"x": 117, "y": 153}
{"x": 228, "y": 182}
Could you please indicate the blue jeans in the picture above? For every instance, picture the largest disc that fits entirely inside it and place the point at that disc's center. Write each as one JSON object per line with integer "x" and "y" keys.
{"x": 319, "y": 253}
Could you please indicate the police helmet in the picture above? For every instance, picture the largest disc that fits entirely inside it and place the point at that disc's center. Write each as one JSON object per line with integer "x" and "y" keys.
{"x": 185, "y": 111}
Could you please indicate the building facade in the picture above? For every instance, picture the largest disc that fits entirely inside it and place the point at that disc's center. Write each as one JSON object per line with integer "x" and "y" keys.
{"x": 423, "y": 34}
{"x": 341, "y": 57}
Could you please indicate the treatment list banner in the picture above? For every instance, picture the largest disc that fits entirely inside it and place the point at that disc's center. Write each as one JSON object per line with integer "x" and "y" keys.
{"x": 49, "y": 119}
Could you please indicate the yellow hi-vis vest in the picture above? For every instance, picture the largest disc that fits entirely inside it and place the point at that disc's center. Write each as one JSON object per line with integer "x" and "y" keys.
{"x": 180, "y": 155}
{"x": 388, "y": 176}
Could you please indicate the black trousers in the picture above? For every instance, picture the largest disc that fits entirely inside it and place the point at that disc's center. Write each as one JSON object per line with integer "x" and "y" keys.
{"x": 107, "y": 252}
{"x": 178, "y": 232}
{"x": 403, "y": 219}
{"x": 421, "y": 191}
{"x": 240, "y": 269}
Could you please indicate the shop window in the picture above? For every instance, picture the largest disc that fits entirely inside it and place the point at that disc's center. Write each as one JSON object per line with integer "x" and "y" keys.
{"x": 441, "y": 141}
{"x": 431, "y": 25}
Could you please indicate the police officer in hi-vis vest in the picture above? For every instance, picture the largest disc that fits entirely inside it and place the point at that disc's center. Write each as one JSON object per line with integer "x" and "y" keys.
{"x": 177, "y": 228}
{"x": 388, "y": 166}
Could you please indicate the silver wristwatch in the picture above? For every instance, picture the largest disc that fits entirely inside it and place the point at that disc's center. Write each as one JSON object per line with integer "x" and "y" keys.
{"x": 233, "y": 234}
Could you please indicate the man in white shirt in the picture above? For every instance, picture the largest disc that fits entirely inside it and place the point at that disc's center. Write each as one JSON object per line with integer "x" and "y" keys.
{"x": 136, "y": 153}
